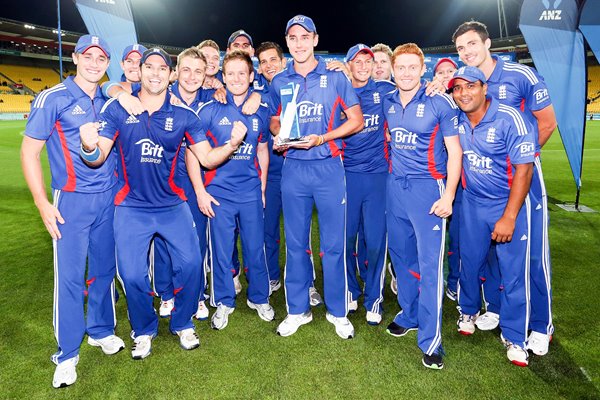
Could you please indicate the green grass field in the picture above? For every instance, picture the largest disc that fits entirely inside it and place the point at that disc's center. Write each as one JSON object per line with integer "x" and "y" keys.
{"x": 248, "y": 360}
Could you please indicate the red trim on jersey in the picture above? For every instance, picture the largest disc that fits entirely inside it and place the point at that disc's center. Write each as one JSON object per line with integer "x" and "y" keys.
{"x": 90, "y": 281}
{"x": 386, "y": 148}
{"x": 522, "y": 105}
{"x": 177, "y": 290}
{"x": 256, "y": 163}
{"x": 509, "y": 172}
{"x": 416, "y": 275}
{"x": 333, "y": 147}
{"x": 210, "y": 175}
{"x": 463, "y": 178}
{"x": 125, "y": 189}
{"x": 344, "y": 106}
{"x": 71, "y": 177}
{"x": 176, "y": 189}
{"x": 189, "y": 139}
{"x": 278, "y": 113}
{"x": 430, "y": 155}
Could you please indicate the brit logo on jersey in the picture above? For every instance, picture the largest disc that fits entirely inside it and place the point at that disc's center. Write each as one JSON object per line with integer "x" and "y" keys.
{"x": 323, "y": 81}
{"x": 132, "y": 120}
{"x": 309, "y": 112}
{"x": 420, "y": 110}
{"x": 477, "y": 163}
{"x": 541, "y": 95}
{"x": 526, "y": 149}
{"x": 371, "y": 123}
{"x": 151, "y": 152}
{"x": 77, "y": 110}
{"x": 376, "y": 98}
{"x": 224, "y": 121}
{"x": 169, "y": 124}
{"x": 403, "y": 139}
{"x": 244, "y": 152}
{"x": 502, "y": 92}
{"x": 491, "y": 135}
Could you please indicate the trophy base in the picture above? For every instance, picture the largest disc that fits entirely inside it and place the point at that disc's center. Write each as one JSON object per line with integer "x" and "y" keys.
{"x": 291, "y": 142}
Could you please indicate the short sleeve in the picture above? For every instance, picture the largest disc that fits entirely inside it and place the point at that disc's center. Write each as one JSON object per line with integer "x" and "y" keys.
{"x": 42, "y": 118}
{"x": 109, "y": 122}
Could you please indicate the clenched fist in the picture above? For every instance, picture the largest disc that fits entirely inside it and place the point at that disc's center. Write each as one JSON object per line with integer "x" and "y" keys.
{"x": 238, "y": 132}
{"x": 89, "y": 135}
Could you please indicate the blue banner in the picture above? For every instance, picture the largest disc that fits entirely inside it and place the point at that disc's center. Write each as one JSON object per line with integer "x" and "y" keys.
{"x": 556, "y": 46}
{"x": 112, "y": 21}
{"x": 589, "y": 25}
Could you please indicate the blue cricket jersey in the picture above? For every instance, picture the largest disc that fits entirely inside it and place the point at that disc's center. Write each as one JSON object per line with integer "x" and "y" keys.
{"x": 56, "y": 115}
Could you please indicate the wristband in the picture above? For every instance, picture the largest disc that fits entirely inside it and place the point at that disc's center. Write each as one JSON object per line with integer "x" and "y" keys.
{"x": 106, "y": 87}
{"x": 321, "y": 140}
{"x": 92, "y": 156}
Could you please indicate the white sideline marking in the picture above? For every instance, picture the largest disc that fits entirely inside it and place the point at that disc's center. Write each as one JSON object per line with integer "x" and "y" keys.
{"x": 585, "y": 373}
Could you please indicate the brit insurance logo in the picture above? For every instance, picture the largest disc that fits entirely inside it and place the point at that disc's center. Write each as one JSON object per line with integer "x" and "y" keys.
{"x": 244, "y": 152}
{"x": 541, "y": 95}
{"x": 478, "y": 164}
{"x": 371, "y": 123}
{"x": 526, "y": 149}
{"x": 403, "y": 139}
{"x": 309, "y": 112}
{"x": 151, "y": 152}
{"x": 551, "y": 13}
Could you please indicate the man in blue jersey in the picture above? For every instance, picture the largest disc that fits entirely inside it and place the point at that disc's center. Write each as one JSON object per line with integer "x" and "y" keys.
{"x": 366, "y": 164}
{"x": 520, "y": 87}
{"x": 499, "y": 149}
{"x": 382, "y": 62}
{"x": 425, "y": 150}
{"x": 149, "y": 202}
{"x": 313, "y": 174}
{"x": 130, "y": 62}
{"x": 80, "y": 220}
{"x": 212, "y": 53}
{"x": 238, "y": 185}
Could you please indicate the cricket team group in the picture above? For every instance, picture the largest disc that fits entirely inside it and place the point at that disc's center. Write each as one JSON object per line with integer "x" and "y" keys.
{"x": 156, "y": 177}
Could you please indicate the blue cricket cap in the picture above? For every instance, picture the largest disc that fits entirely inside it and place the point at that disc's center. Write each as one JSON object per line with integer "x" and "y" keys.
{"x": 157, "y": 51}
{"x": 87, "y": 41}
{"x": 469, "y": 74}
{"x": 304, "y": 21}
{"x": 237, "y": 34}
{"x": 359, "y": 48}
{"x": 133, "y": 48}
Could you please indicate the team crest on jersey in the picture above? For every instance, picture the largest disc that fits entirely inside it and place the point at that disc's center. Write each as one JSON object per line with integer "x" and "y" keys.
{"x": 151, "y": 152}
{"x": 224, "y": 121}
{"x": 169, "y": 124}
{"x": 502, "y": 92}
{"x": 376, "y": 98}
{"x": 77, "y": 111}
{"x": 132, "y": 120}
{"x": 420, "y": 110}
{"x": 256, "y": 86}
{"x": 391, "y": 110}
{"x": 255, "y": 124}
{"x": 491, "y": 135}
{"x": 323, "y": 81}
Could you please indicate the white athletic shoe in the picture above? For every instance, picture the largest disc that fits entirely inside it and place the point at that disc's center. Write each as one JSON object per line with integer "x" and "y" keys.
{"x": 202, "y": 312}
{"x": 220, "y": 318}
{"x": 237, "y": 284}
{"x": 466, "y": 324}
{"x": 352, "y": 306}
{"x": 343, "y": 326}
{"x": 188, "y": 340}
{"x": 142, "y": 347}
{"x": 487, "y": 321}
{"x": 265, "y": 311}
{"x": 538, "y": 343}
{"x": 166, "y": 307}
{"x": 373, "y": 318}
{"x": 315, "y": 297}
{"x": 275, "y": 285}
{"x": 65, "y": 373}
{"x": 451, "y": 294}
{"x": 393, "y": 281}
{"x": 292, "y": 322}
{"x": 110, "y": 344}
{"x": 515, "y": 353}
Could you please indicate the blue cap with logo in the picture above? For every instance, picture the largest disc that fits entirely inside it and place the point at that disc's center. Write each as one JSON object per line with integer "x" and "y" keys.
{"x": 237, "y": 34}
{"x": 157, "y": 51}
{"x": 355, "y": 50}
{"x": 133, "y": 48}
{"x": 305, "y": 22}
{"x": 469, "y": 74}
{"x": 88, "y": 41}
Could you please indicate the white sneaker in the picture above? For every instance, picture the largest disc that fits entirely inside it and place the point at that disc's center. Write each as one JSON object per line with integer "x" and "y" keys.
{"x": 343, "y": 326}
{"x": 237, "y": 284}
{"x": 65, "y": 373}
{"x": 515, "y": 353}
{"x": 292, "y": 322}
{"x": 393, "y": 281}
{"x": 220, "y": 318}
{"x": 315, "y": 297}
{"x": 488, "y": 321}
{"x": 373, "y": 318}
{"x": 451, "y": 294}
{"x": 166, "y": 307}
{"x": 142, "y": 347}
{"x": 188, "y": 340}
{"x": 538, "y": 343}
{"x": 352, "y": 306}
{"x": 265, "y": 311}
{"x": 275, "y": 285}
{"x": 466, "y": 324}
{"x": 110, "y": 345}
{"x": 202, "y": 312}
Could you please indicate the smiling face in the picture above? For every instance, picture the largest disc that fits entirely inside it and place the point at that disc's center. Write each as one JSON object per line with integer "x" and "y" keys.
{"x": 212, "y": 60}
{"x": 471, "y": 49}
{"x": 155, "y": 75}
{"x": 237, "y": 76}
{"x": 270, "y": 63}
{"x": 408, "y": 70}
{"x": 241, "y": 43}
{"x": 131, "y": 66}
{"x": 444, "y": 72}
{"x": 91, "y": 64}
{"x": 469, "y": 96}
{"x": 190, "y": 73}
{"x": 361, "y": 68}
{"x": 301, "y": 43}
{"x": 382, "y": 66}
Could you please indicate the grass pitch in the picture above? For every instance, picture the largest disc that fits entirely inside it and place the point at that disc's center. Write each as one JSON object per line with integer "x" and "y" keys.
{"x": 248, "y": 360}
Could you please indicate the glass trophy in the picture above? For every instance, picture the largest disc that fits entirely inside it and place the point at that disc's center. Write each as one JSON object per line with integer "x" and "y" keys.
{"x": 289, "y": 133}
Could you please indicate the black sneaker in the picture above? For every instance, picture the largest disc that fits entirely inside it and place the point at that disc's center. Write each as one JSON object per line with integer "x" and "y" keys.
{"x": 397, "y": 331}
{"x": 434, "y": 361}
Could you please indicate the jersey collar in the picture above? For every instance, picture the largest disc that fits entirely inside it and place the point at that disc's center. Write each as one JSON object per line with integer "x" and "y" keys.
{"x": 497, "y": 73}
{"x": 77, "y": 92}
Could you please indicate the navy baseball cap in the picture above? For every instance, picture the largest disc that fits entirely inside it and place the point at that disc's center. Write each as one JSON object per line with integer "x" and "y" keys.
{"x": 359, "y": 48}
{"x": 157, "y": 51}
{"x": 133, "y": 48}
{"x": 444, "y": 60}
{"x": 87, "y": 41}
{"x": 305, "y": 22}
{"x": 469, "y": 74}
{"x": 237, "y": 34}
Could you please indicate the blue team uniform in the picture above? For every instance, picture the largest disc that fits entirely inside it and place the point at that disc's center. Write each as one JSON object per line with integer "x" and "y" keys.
{"x": 273, "y": 210}
{"x": 366, "y": 163}
{"x": 151, "y": 204}
{"x": 417, "y": 180}
{"x": 521, "y": 87}
{"x": 237, "y": 187}
{"x": 502, "y": 139}
{"x": 315, "y": 176}
{"x": 83, "y": 196}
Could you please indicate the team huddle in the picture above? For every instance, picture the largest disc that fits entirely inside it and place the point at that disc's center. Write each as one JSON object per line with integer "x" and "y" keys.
{"x": 160, "y": 174}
